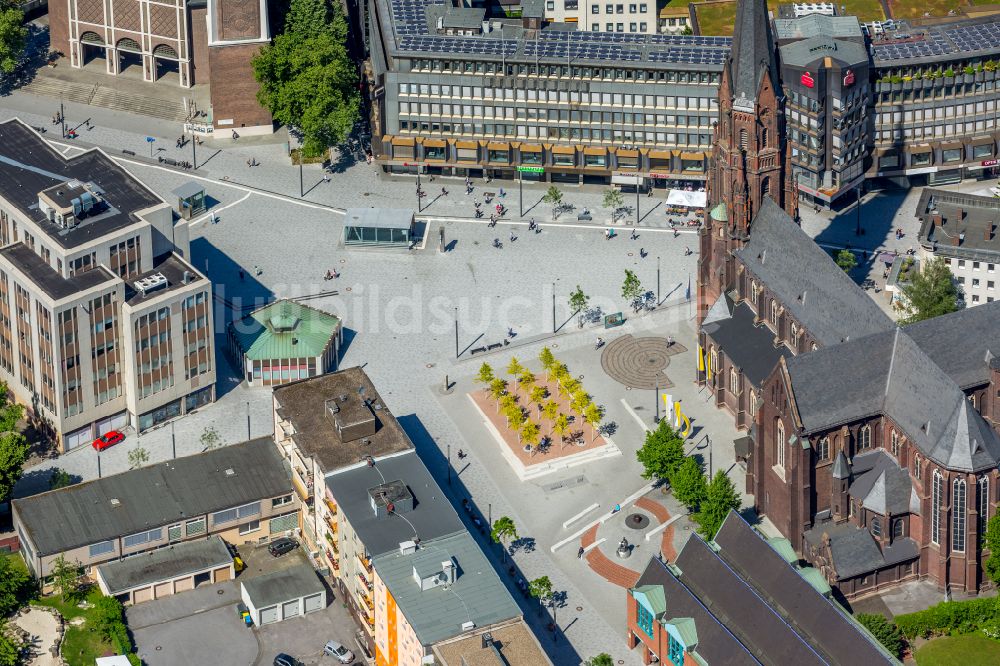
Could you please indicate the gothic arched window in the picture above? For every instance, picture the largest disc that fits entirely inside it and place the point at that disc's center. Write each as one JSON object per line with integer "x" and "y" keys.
{"x": 958, "y": 515}
{"x": 937, "y": 490}
{"x": 780, "y": 444}
{"x": 865, "y": 437}
{"x": 744, "y": 139}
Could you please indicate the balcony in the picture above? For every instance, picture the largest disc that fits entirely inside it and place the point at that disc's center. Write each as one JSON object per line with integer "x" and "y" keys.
{"x": 334, "y": 562}
{"x": 303, "y": 482}
{"x": 331, "y": 523}
{"x": 331, "y": 506}
{"x": 364, "y": 581}
{"x": 365, "y": 563}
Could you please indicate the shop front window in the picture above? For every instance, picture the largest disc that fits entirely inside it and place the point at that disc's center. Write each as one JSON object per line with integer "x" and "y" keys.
{"x": 531, "y": 158}
{"x": 985, "y": 150}
{"x": 564, "y": 159}
{"x": 920, "y": 159}
{"x": 951, "y": 155}
{"x": 689, "y": 166}
{"x": 438, "y": 153}
{"x": 595, "y": 160}
{"x": 502, "y": 156}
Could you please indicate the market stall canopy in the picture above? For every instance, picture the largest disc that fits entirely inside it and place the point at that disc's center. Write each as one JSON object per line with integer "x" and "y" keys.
{"x": 686, "y": 198}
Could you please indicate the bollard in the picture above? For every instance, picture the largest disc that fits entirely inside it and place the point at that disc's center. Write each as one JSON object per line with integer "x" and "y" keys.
{"x": 447, "y": 385}
{"x": 441, "y": 239}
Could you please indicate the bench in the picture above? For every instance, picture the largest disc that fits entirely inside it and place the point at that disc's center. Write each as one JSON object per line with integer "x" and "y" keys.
{"x": 477, "y": 350}
{"x": 128, "y": 152}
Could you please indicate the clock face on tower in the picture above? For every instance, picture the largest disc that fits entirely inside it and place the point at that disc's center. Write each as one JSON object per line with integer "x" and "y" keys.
{"x": 238, "y": 19}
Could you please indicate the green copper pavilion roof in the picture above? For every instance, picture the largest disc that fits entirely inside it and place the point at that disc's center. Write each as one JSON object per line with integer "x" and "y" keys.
{"x": 652, "y": 598}
{"x": 284, "y": 330}
{"x": 719, "y": 213}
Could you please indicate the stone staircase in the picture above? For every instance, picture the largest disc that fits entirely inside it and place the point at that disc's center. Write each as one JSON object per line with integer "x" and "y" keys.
{"x": 107, "y": 97}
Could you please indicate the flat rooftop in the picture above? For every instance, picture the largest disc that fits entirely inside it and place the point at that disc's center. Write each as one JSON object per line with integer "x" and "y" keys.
{"x": 154, "y": 496}
{"x": 29, "y": 164}
{"x": 431, "y": 516}
{"x": 515, "y": 644}
{"x": 279, "y": 586}
{"x": 307, "y": 405}
{"x": 174, "y": 270}
{"x": 959, "y": 225}
{"x": 46, "y": 278}
{"x": 379, "y": 218}
{"x": 179, "y": 559}
{"x": 911, "y": 44}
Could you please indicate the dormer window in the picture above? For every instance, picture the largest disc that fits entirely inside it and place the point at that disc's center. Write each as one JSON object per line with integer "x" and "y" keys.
{"x": 876, "y": 527}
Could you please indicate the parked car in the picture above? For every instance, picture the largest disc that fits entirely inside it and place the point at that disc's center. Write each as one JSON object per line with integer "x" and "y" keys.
{"x": 279, "y": 547}
{"x": 286, "y": 660}
{"x": 108, "y": 439}
{"x": 339, "y": 652}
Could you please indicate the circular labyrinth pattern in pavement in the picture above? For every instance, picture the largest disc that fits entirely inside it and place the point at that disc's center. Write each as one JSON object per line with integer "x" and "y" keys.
{"x": 639, "y": 362}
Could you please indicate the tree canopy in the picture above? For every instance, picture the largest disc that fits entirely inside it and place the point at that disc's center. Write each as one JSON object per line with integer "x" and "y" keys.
{"x": 14, "y": 447}
{"x": 846, "y": 260}
{"x": 631, "y": 287}
{"x": 930, "y": 292}
{"x": 307, "y": 78}
{"x": 688, "y": 483}
{"x": 662, "y": 453}
{"x": 13, "y": 35}
{"x": 887, "y": 633}
{"x": 603, "y": 659}
{"x": 720, "y": 498}
{"x": 15, "y": 584}
{"x": 991, "y": 542}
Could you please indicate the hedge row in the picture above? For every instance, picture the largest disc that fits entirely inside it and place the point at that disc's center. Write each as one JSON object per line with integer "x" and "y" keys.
{"x": 949, "y": 617}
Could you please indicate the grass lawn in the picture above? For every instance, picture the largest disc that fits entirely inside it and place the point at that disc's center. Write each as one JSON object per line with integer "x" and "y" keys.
{"x": 916, "y": 9}
{"x": 969, "y": 650}
{"x": 866, "y": 10}
{"x": 982, "y": 2}
{"x": 717, "y": 18}
{"x": 81, "y": 645}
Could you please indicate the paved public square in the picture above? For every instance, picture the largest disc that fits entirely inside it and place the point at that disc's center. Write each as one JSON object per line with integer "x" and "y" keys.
{"x": 400, "y": 309}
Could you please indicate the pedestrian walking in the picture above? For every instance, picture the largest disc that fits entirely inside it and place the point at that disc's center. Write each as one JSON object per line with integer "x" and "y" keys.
{"x": 512, "y": 237}
{"x": 326, "y": 178}
{"x": 248, "y": 164}
{"x": 235, "y": 135}
{"x": 634, "y": 235}
{"x": 580, "y": 552}
{"x": 687, "y": 251}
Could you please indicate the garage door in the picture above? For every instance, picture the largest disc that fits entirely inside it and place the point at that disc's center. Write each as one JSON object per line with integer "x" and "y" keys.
{"x": 116, "y": 422}
{"x": 289, "y": 609}
{"x": 164, "y": 589}
{"x": 144, "y": 594}
{"x": 314, "y": 603}
{"x": 269, "y": 615}
{"x": 222, "y": 574}
{"x": 184, "y": 584}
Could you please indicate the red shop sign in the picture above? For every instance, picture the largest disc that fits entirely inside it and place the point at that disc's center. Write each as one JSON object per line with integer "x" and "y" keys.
{"x": 807, "y": 80}
{"x": 989, "y": 163}
{"x": 849, "y": 78}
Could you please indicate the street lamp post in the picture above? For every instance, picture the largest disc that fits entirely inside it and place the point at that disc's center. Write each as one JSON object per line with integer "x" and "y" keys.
{"x": 657, "y": 281}
{"x": 248, "y": 420}
{"x": 418, "y": 190}
{"x": 857, "y": 226}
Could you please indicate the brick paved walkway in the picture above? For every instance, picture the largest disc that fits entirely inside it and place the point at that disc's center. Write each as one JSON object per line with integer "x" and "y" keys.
{"x": 611, "y": 571}
{"x": 660, "y": 511}
{"x": 615, "y": 573}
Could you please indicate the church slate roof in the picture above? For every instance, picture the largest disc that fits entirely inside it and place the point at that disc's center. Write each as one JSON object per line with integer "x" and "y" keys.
{"x": 881, "y": 484}
{"x": 960, "y": 342}
{"x": 814, "y": 290}
{"x": 753, "y": 53}
{"x": 749, "y": 347}
{"x": 889, "y": 373}
{"x": 854, "y": 552}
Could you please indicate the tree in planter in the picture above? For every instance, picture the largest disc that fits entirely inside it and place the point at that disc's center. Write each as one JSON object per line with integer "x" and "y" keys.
{"x": 720, "y": 498}
{"x": 497, "y": 390}
{"x": 64, "y": 577}
{"x": 604, "y": 659}
{"x": 503, "y": 532}
{"x": 561, "y": 427}
{"x": 554, "y": 197}
{"x": 210, "y": 439}
{"x": 593, "y": 415}
{"x": 846, "y": 260}
{"x": 578, "y": 302}
{"x": 511, "y": 410}
{"x": 527, "y": 380}
{"x": 529, "y": 433}
{"x": 688, "y": 483}
{"x": 549, "y": 410}
{"x": 547, "y": 359}
{"x": 887, "y": 633}
{"x": 930, "y": 292}
{"x": 991, "y": 542}
{"x": 485, "y": 374}
{"x": 541, "y": 589}
{"x": 662, "y": 452}
{"x": 580, "y": 401}
{"x": 514, "y": 369}
{"x": 537, "y": 396}
{"x": 613, "y": 201}
{"x": 137, "y": 457}
{"x": 631, "y": 289}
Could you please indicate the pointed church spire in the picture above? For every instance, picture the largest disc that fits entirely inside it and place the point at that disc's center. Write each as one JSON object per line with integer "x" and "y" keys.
{"x": 753, "y": 55}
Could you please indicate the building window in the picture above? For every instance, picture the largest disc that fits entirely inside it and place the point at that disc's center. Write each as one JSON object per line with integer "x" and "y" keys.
{"x": 937, "y": 487}
{"x": 675, "y": 652}
{"x": 744, "y": 139}
{"x": 865, "y": 437}
{"x": 734, "y": 380}
{"x": 644, "y": 619}
{"x": 194, "y": 527}
{"x": 753, "y": 292}
{"x": 958, "y": 515}
{"x": 595, "y": 9}
{"x": 102, "y": 548}
{"x": 774, "y": 314}
{"x": 134, "y": 540}
{"x": 250, "y": 527}
{"x": 876, "y": 527}
{"x": 752, "y": 404}
{"x": 763, "y": 138}
{"x": 780, "y": 444}
{"x": 174, "y": 533}
{"x": 281, "y": 501}
{"x": 230, "y": 515}
{"x": 983, "y": 505}
{"x": 823, "y": 448}
{"x": 894, "y": 439}
{"x": 897, "y": 528}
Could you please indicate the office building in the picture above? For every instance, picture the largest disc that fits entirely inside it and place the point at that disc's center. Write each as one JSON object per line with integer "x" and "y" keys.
{"x": 241, "y": 493}
{"x": 104, "y": 322}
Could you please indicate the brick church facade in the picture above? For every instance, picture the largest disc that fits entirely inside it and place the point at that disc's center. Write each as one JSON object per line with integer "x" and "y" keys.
{"x": 188, "y": 41}
{"x": 872, "y": 447}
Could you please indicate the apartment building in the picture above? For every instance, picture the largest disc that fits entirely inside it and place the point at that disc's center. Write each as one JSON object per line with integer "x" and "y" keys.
{"x": 370, "y": 510}
{"x": 961, "y": 229}
{"x": 242, "y": 493}
{"x": 104, "y": 322}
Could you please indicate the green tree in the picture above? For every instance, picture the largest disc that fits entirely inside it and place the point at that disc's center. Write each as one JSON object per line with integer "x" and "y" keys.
{"x": 529, "y": 433}
{"x": 613, "y": 201}
{"x": 106, "y": 614}
{"x": 603, "y": 659}
{"x": 16, "y": 585}
{"x": 59, "y": 478}
{"x": 991, "y": 542}
{"x": 578, "y": 302}
{"x": 503, "y": 532}
{"x": 497, "y": 389}
{"x": 307, "y": 79}
{"x": 720, "y": 498}
{"x": 138, "y": 457}
{"x": 689, "y": 484}
{"x": 554, "y": 197}
{"x": 592, "y": 415}
{"x": 549, "y": 410}
{"x": 930, "y": 292}
{"x": 64, "y": 578}
{"x": 560, "y": 426}
{"x": 307, "y": 18}
{"x": 485, "y": 375}
{"x": 10, "y": 649}
{"x": 662, "y": 452}
{"x": 537, "y": 396}
{"x": 846, "y": 260}
{"x": 887, "y": 633}
{"x": 686, "y": 31}
{"x": 547, "y": 359}
{"x": 210, "y": 438}
{"x": 14, "y": 450}
{"x": 13, "y": 35}
{"x": 631, "y": 288}
{"x": 541, "y": 589}
{"x": 526, "y": 379}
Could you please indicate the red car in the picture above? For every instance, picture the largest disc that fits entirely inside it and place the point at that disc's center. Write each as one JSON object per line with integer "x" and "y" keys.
{"x": 108, "y": 440}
